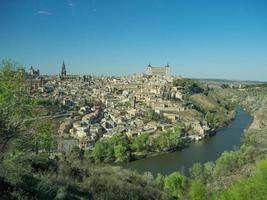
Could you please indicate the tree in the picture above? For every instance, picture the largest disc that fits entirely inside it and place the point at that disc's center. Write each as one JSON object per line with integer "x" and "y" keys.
{"x": 98, "y": 152}
{"x": 14, "y": 91}
{"x": 198, "y": 191}
{"x": 174, "y": 139}
{"x": 190, "y": 86}
{"x": 160, "y": 180}
{"x": 253, "y": 187}
{"x": 215, "y": 119}
{"x": 162, "y": 142}
{"x": 140, "y": 143}
{"x": 209, "y": 170}
{"x": 176, "y": 185}
{"x": 228, "y": 162}
{"x": 120, "y": 152}
{"x": 44, "y": 137}
{"x": 224, "y": 86}
{"x": 197, "y": 172}
{"x": 8, "y": 129}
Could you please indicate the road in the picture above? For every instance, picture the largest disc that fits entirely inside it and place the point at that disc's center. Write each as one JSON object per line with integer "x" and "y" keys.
{"x": 58, "y": 115}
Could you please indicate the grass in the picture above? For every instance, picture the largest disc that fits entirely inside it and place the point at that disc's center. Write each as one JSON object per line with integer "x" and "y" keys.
{"x": 204, "y": 103}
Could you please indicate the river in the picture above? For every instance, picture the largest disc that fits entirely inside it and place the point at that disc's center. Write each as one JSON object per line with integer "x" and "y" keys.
{"x": 209, "y": 149}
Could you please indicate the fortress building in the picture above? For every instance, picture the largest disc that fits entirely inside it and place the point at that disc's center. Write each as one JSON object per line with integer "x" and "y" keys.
{"x": 158, "y": 71}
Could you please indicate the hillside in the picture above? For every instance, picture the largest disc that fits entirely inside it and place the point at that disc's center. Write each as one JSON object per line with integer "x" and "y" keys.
{"x": 32, "y": 168}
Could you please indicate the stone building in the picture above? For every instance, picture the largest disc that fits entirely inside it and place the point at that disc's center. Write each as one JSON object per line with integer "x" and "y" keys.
{"x": 63, "y": 75}
{"x": 33, "y": 72}
{"x": 158, "y": 71}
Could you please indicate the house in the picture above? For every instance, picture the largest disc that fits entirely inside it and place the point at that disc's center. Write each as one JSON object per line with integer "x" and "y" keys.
{"x": 96, "y": 130}
{"x": 65, "y": 126}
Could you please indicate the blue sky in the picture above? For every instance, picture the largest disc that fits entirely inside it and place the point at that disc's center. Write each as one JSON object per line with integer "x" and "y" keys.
{"x": 198, "y": 38}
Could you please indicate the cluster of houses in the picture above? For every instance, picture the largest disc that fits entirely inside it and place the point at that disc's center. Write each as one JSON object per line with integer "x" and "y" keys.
{"x": 101, "y": 107}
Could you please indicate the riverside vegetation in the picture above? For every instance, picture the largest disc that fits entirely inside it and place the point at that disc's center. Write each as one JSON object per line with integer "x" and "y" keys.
{"x": 30, "y": 167}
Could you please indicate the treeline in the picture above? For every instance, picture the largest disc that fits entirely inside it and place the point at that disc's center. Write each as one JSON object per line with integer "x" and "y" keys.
{"x": 120, "y": 148}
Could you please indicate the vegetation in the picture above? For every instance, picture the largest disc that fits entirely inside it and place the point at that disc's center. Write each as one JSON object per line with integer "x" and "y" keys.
{"x": 234, "y": 175}
{"x": 216, "y": 110}
{"x": 14, "y": 91}
{"x": 120, "y": 148}
{"x": 190, "y": 86}
{"x": 204, "y": 103}
{"x": 175, "y": 185}
{"x": 30, "y": 168}
{"x": 115, "y": 148}
{"x": 254, "y": 187}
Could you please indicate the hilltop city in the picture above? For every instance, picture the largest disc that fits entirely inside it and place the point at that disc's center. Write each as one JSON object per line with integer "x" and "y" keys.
{"x": 96, "y": 108}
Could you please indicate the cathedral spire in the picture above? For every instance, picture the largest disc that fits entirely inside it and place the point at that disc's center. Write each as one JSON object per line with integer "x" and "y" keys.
{"x": 63, "y": 69}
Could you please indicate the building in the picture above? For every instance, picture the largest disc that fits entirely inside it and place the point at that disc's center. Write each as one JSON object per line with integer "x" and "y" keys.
{"x": 64, "y": 76}
{"x": 33, "y": 72}
{"x": 158, "y": 71}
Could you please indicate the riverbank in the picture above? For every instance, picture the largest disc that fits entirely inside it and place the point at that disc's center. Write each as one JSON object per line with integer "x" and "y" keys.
{"x": 186, "y": 141}
{"x": 241, "y": 164}
{"x": 208, "y": 149}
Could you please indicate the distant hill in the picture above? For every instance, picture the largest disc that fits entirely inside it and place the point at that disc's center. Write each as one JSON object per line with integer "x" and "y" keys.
{"x": 219, "y": 82}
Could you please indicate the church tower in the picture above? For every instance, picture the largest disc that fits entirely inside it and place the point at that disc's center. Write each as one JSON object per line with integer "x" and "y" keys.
{"x": 63, "y": 70}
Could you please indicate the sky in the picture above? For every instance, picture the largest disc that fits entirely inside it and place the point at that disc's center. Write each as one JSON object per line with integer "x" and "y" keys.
{"x": 223, "y": 39}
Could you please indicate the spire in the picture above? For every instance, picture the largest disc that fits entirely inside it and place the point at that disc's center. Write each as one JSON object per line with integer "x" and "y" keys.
{"x": 63, "y": 69}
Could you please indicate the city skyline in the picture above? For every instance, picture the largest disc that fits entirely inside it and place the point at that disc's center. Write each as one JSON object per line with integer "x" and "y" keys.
{"x": 223, "y": 40}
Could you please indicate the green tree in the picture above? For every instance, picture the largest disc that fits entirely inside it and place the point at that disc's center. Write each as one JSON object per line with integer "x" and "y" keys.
{"x": 120, "y": 152}
{"x": 198, "y": 191}
{"x": 44, "y": 137}
{"x": 214, "y": 119}
{"x": 98, "y": 152}
{"x": 197, "y": 172}
{"x": 160, "y": 180}
{"x": 228, "y": 163}
{"x": 209, "y": 170}
{"x": 15, "y": 96}
{"x": 176, "y": 185}
{"x": 140, "y": 143}
{"x": 190, "y": 86}
{"x": 162, "y": 142}
{"x": 174, "y": 139}
{"x": 8, "y": 129}
{"x": 253, "y": 187}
